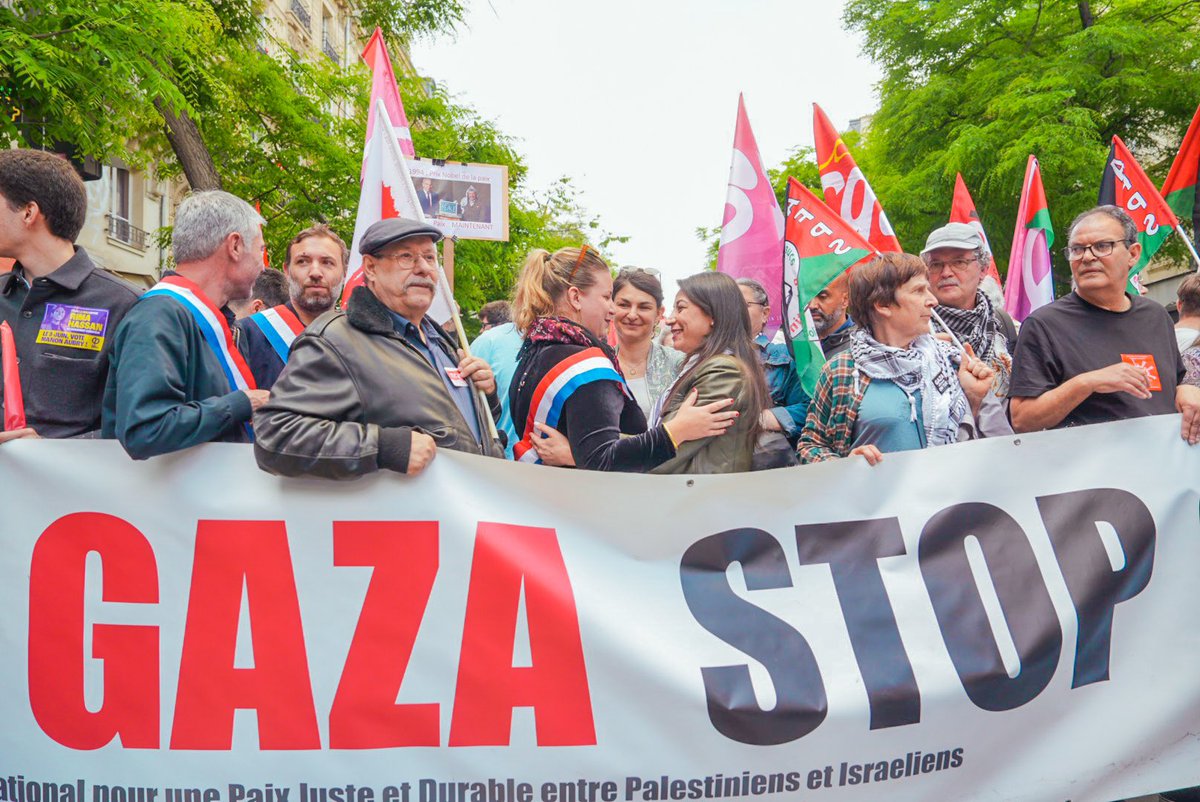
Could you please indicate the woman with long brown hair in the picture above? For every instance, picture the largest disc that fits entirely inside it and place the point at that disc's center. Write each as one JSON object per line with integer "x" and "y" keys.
{"x": 568, "y": 379}
{"x": 710, "y": 325}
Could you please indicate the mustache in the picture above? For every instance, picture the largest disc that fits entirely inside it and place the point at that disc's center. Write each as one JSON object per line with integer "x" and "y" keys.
{"x": 419, "y": 281}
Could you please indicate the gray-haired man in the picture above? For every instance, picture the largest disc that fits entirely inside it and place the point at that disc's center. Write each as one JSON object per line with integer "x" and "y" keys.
{"x": 176, "y": 378}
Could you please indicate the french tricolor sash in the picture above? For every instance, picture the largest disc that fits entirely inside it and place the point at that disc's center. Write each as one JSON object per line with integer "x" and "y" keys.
{"x": 212, "y": 325}
{"x": 559, "y": 384}
{"x": 280, "y": 326}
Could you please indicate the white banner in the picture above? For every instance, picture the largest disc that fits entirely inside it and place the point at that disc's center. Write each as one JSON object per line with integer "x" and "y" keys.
{"x": 1013, "y": 619}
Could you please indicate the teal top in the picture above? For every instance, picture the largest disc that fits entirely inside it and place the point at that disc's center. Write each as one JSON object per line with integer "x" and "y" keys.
{"x": 886, "y": 419}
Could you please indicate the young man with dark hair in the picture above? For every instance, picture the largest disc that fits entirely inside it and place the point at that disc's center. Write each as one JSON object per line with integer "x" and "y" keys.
{"x": 63, "y": 310}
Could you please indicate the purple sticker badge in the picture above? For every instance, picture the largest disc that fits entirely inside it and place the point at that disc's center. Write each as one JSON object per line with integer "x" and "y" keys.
{"x": 73, "y": 327}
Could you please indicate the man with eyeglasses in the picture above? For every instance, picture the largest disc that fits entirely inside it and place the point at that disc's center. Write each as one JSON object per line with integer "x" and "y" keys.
{"x": 1100, "y": 354}
{"x": 380, "y": 385}
{"x": 958, "y": 260}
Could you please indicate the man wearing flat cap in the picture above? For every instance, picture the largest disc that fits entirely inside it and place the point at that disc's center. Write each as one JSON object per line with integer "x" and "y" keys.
{"x": 958, "y": 259}
{"x": 379, "y": 385}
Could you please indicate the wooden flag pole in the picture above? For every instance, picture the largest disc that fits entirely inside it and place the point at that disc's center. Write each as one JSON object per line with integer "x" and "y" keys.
{"x": 446, "y": 286}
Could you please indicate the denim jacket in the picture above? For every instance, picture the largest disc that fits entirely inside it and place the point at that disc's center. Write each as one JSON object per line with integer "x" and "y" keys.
{"x": 789, "y": 399}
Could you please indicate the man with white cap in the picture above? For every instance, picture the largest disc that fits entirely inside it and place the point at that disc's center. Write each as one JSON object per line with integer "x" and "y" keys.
{"x": 379, "y": 385}
{"x": 958, "y": 260}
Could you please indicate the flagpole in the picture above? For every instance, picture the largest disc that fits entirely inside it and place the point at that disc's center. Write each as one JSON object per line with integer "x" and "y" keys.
{"x": 953, "y": 336}
{"x": 481, "y": 397}
{"x": 1188, "y": 242}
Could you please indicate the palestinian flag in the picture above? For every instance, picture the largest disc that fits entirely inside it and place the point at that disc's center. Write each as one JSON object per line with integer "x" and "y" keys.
{"x": 1182, "y": 187}
{"x": 818, "y": 246}
{"x": 962, "y": 210}
{"x": 1127, "y": 186}
{"x": 846, "y": 189}
{"x": 1030, "y": 283}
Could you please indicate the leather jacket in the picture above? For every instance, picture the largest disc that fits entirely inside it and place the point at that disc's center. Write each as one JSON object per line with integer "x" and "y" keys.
{"x": 352, "y": 393}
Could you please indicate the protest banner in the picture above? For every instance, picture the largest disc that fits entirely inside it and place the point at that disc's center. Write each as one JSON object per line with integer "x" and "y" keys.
{"x": 1006, "y": 619}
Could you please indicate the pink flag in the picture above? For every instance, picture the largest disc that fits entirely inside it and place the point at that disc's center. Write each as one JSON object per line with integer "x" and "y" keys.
{"x": 387, "y": 191}
{"x": 752, "y": 229}
{"x": 1030, "y": 282}
{"x": 383, "y": 87}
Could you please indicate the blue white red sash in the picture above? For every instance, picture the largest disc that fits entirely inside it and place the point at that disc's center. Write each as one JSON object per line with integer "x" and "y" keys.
{"x": 559, "y": 384}
{"x": 280, "y": 326}
{"x": 213, "y": 326}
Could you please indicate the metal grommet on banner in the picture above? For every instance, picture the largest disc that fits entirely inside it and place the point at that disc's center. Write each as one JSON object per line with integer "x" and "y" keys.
{"x": 1017, "y": 442}
{"x": 691, "y": 482}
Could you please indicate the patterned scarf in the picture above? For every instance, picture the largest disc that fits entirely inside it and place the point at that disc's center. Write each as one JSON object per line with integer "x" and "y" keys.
{"x": 927, "y": 365}
{"x": 565, "y": 332}
{"x": 978, "y": 327}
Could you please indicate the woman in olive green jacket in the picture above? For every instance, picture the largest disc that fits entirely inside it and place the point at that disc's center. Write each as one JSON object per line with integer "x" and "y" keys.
{"x": 710, "y": 325}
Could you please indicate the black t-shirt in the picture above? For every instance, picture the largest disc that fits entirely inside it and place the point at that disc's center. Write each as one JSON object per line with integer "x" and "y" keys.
{"x": 1071, "y": 336}
{"x": 63, "y": 326}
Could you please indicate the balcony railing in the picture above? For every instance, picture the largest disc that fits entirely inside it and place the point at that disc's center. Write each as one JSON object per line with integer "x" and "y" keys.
{"x": 301, "y": 12}
{"x": 123, "y": 231}
{"x": 328, "y": 49}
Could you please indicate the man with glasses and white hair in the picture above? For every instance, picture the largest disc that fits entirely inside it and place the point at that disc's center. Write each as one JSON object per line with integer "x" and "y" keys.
{"x": 176, "y": 377}
{"x": 380, "y": 385}
{"x": 1100, "y": 354}
{"x": 958, "y": 260}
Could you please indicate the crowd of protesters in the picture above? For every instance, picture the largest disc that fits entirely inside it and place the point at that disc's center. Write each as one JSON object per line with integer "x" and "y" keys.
{"x": 572, "y": 372}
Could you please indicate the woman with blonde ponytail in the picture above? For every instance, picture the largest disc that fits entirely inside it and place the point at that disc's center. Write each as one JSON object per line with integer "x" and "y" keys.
{"x": 568, "y": 378}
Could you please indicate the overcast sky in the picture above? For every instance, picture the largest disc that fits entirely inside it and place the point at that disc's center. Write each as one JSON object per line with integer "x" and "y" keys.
{"x": 635, "y": 100}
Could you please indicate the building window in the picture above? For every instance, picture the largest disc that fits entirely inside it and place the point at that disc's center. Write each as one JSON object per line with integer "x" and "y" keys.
{"x": 123, "y": 210}
{"x": 120, "y": 205}
{"x": 328, "y": 34}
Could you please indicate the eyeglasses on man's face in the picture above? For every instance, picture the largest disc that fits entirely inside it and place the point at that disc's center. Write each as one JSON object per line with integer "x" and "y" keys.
{"x": 957, "y": 265}
{"x": 407, "y": 260}
{"x": 1099, "y": 249}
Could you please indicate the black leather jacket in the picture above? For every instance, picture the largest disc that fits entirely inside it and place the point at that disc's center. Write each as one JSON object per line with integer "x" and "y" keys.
{"x": 352, "y": 393}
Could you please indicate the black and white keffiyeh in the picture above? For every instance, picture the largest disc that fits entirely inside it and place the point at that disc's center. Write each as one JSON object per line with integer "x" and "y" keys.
{"x": 928, "y": 365}
{"x": 978, "y": 327}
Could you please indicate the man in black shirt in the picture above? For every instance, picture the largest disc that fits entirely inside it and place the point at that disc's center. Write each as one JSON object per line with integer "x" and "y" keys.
{"x": 1099, "y": 354}
{"x": 63, "y": 310}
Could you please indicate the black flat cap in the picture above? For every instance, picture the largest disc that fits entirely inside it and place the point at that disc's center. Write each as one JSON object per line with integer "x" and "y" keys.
{"x": 385, "y": 232}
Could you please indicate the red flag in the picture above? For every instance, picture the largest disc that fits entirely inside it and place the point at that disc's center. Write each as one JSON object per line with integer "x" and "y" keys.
{"x": 1126, "y": 185}
{"x": 962, "y": 210}
{"x": 818, "y": 247}
{"x": 846, "y": 189}
{"x": 1183, "y": 182}
{"x": 14, "y": 402}
{"x": 383, "y": 87}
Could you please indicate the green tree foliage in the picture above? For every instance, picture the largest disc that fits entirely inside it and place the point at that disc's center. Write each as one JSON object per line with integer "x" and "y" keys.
{"x": 975, "y": 86}
{"x": 278, "y": 129}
